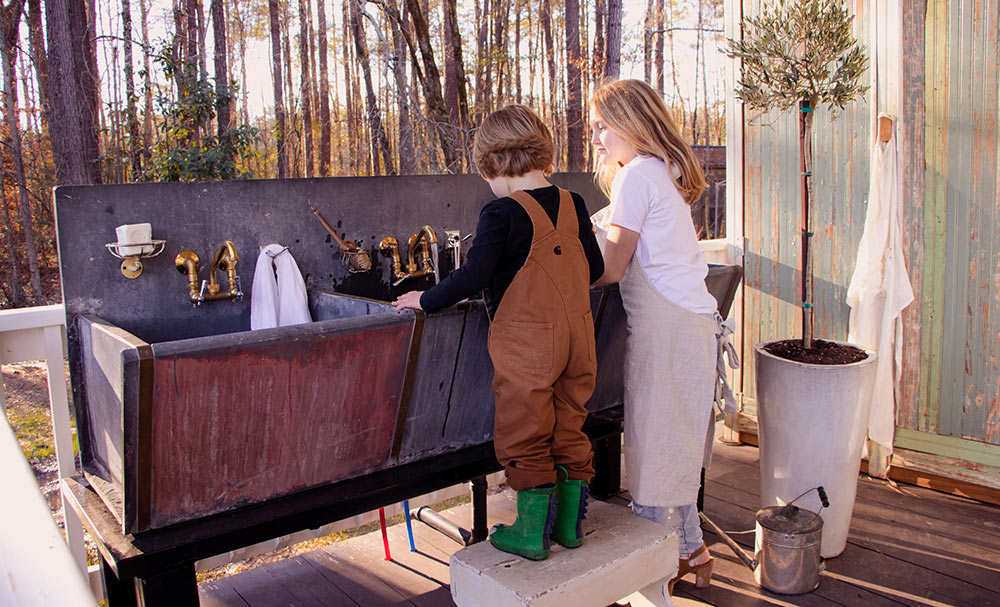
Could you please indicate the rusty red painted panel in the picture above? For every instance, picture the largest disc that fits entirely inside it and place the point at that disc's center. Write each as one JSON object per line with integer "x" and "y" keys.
{"x": 239, "y": 427}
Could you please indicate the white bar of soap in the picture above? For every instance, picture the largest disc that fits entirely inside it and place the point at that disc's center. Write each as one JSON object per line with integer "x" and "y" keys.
{"x": 134, "y": 233}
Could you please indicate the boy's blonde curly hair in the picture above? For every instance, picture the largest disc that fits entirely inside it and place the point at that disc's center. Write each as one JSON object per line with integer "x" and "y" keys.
{"x": 512, "y": 141}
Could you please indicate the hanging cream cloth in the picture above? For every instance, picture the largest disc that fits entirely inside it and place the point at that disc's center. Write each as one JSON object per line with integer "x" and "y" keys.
{"x": 879, "y": 291}
{"x": 670, "y": 374}
{"x": 277, "y": 301}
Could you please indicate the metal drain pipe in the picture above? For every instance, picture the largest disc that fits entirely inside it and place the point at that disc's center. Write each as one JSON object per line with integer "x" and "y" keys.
{"x": 437, "y": 522}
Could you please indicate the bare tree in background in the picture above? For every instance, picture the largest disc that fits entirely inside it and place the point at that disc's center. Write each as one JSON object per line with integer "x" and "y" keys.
{"x": 72, "y": 94}
{"x": 407, "y": 153}
{"x": 279, "y": 104}
{"x": 613, "y": 53}
{"x": 147, "y": 93}
{"x": 305, "y": 90}
{"x": 574, "y": 94}
{"x": 600, "y": 40}
{"x": 36, "y": 41}
{"x": 379, "y": 140}
{"x": 222, "y": 87}
{"x": 324, "y": 91}
{"x": 10, "y": 18}
{"x": 431, "y": 81}
{"x": 131, "y": 120}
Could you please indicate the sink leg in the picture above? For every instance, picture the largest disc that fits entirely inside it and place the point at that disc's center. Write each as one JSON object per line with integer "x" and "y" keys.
{"x": 118, "y": 593}
{"x": 173, "y": 587}
{"x": 479, "y": 526}
{"x": 607, "y": 466}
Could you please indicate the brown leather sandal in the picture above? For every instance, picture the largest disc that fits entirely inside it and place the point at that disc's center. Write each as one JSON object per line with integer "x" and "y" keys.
{"x": 702, "y": 572}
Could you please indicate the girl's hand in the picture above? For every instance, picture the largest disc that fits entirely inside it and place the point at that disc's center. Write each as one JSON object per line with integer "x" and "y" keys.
{"x": 408, "y": 300}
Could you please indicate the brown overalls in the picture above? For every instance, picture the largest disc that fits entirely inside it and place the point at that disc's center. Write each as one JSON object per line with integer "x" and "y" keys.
{"x": 542, "y": 346}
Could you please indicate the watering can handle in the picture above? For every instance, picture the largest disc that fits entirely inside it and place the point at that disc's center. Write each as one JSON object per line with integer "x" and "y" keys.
{"x": 822, "y": 496}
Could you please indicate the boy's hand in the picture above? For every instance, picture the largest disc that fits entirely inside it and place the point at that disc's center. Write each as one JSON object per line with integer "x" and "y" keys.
{"x": 408, "y": 300}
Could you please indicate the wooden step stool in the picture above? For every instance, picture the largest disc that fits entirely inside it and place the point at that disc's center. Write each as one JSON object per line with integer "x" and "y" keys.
{"x": 623, "y": 556}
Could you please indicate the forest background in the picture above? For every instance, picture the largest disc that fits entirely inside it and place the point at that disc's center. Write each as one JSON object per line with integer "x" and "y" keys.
{"x": 120, "y": 91}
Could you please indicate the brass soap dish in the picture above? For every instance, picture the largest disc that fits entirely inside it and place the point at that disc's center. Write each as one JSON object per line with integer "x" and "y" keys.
{"x": 131, "y": 266}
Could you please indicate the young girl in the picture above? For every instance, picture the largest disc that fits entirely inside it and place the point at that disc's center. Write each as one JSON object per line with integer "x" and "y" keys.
{"x": 651, "y": 177}
{"x": 535, "y": 254}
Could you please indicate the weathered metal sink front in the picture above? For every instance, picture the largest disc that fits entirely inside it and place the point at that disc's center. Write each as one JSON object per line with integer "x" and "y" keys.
{"x": 188, "y": 428}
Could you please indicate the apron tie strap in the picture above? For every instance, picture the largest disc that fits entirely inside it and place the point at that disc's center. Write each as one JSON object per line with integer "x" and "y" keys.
{"x": 725, "y": 400}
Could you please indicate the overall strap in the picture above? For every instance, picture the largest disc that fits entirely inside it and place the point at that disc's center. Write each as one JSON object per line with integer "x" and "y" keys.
{"x": 540, "y": 222}
{"x": 567, "y": 220}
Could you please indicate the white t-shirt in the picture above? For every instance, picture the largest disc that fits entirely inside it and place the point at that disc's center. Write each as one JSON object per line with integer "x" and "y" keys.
{"x": 644, "y": 199}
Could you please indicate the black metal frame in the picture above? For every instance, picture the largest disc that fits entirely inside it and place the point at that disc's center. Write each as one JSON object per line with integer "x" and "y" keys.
{"x": 157, "y": 568}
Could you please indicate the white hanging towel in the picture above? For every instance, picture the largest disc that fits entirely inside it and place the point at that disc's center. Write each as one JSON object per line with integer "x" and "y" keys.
{"x": 879, "y": 291}
{"x": 277, "y": 301}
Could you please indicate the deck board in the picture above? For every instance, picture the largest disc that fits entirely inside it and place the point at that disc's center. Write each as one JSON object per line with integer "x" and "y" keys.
{"x": 908, "y": 546}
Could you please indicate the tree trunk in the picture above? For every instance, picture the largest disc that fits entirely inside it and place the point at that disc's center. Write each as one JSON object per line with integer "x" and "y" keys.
{"x": 10, "y": 17}
{"x": 432, "y": 84}
{"x": 550, "y": 55}
{"x": 305, "y": 87}
{"x": 806, "y": 107}
{"x": 614, "y": 42}
{"x": 202, "y": 52}
{"x": 14, "y": 294}
{"x": 574, "y": 94}
{"x": 483, "y": 103}
{"x": 658, "y": 23}
{"x": 222, "y": 89}
{"x": 72, "y": 94}
{"x": 649, "y": 24}
{"x": 501, "y": 15}
{"x": 451, "y": 25}
{"x": 407, "y": 152}
{"x": 277, "y": 82}
{"x": 324, "y": 92}
{"x": 379, "y": 140}
{"x": 600, "y": 40}
{"x": 147, "y": 123}
{"x": 131, "y": 120}
{"x": 36, "y": 40}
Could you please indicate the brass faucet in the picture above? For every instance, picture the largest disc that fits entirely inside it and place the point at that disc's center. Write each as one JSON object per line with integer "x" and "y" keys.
{"x": 225, "y": 258}
{"x": 389, "y": 247}
{"x": 419, "y": 250}
{"x": 418, "y": 259}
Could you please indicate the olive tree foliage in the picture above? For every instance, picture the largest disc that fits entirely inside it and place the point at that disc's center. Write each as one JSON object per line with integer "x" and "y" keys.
{"x": 799, "y": 50}
{"x": 800, "y": 53}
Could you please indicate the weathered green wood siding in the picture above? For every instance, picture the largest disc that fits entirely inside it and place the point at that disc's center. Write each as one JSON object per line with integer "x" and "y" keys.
{"x": 772, "y": 217}
{"x": 951, "y": 371}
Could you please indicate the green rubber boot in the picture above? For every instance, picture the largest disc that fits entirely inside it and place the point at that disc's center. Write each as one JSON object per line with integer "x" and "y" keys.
{"x": 529, "y": 535}
{"x": 572, "y": 496}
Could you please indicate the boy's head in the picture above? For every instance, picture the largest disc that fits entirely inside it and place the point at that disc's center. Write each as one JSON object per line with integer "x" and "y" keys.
{"x": 511, "y": 142}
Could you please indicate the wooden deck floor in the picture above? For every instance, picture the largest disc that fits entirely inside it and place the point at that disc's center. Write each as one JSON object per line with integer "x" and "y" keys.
{"x": 908, "y": 546}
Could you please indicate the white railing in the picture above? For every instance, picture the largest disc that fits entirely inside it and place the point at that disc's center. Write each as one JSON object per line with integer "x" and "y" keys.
{"x": 39, "y": 333}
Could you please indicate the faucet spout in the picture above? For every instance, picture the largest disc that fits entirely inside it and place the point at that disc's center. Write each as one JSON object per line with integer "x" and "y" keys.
{"x": 225, "y": 258}
{"x": 419, "y": 251}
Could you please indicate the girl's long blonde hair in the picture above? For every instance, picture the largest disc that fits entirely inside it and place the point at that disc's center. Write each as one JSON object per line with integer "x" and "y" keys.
{"x": 633, "y": 110}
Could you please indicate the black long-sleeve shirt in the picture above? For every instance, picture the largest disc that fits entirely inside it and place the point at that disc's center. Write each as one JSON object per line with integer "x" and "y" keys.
{"x": 500, "y": 248}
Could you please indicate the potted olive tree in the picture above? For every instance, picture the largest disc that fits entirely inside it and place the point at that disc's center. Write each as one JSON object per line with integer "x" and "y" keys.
{"x": 812, "y": 402}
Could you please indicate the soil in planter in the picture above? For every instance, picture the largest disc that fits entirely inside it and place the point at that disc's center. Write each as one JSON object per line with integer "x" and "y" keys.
{"x": 822, "y": 353}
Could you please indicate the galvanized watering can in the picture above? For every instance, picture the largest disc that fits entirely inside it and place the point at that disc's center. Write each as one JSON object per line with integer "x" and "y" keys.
{"x": 786, "y": 548}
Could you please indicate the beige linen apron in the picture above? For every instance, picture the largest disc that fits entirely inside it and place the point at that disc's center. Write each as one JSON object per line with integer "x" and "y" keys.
{"x": 670, "y": 374}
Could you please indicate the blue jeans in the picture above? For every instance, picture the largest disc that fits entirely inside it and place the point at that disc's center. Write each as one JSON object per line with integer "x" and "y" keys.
{"x": 682, "y": 519}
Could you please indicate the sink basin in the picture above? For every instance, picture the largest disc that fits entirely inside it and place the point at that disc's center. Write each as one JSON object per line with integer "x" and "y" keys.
{"x": 172, "y": 431}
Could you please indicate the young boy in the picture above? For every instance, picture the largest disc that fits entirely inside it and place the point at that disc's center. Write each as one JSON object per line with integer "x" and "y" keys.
{"x": 536, "y": 255}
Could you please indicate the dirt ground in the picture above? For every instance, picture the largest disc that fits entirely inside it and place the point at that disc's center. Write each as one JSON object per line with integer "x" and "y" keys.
{"x": 27, "y": 397}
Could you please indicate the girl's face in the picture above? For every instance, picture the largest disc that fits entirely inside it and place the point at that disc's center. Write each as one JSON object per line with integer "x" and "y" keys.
{"x": 612, "y": 149}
